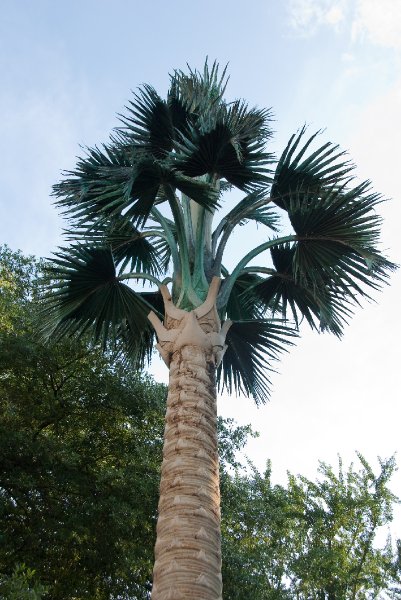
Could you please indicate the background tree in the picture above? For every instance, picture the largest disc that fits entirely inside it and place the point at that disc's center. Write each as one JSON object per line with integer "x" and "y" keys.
{"x": 335, "y": 526}
{"x": 311, "y": 540}
{"x": 18, "y": 283}
{"x": 80, "y": 441}
{"x": 141, "y": 208}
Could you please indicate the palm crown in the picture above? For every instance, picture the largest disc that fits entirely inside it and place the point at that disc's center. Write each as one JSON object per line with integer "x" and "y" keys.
{"x": 142, "y": 208}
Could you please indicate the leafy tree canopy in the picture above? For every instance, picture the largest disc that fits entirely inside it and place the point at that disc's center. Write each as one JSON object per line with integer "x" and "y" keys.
{"x": 311, "y": 539}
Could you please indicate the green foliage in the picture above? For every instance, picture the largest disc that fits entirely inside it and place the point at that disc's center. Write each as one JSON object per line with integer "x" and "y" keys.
{"x": 311, "y": 539}
{"x": 80, "y": 453}
{"x": 308, "y": 176}
{"x": 16, "y": 286}
{"x": 21, "y": 585}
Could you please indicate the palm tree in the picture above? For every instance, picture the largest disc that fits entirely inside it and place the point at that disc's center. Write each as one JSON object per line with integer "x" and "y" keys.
{"x": 141, "y": 211}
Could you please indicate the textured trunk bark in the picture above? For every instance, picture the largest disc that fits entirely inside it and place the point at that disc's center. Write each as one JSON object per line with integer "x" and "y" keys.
{"x": 188, "y": 546}
{"x": 188, "y": 549}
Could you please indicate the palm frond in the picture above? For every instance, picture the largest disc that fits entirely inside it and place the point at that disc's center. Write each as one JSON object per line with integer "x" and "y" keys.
{"x": 264, "y": 216}
{"x": 97, "y": 185}
{"x": 199, "y": 93}
{"x": 225, "y": 187}
{"x": 251, "y": 348}
{"x": 323, "y": 307}
{"x": 148, "y": 124}
{"x": 180, "y": 115}
{"x": 192, "y": 95}
{"x": 338, "y": 234}
{"x": 86, "y": 296}
{"x": 228, "y": 144}
{"x": 145, "y": 181}
{"x": 163, "y": 253}
{"x": 102, "y": 187}
{"x": 306, "y": 175}
{"x": 344, "y": 215}
{"x": 139, "y": 355}
{"x": 129, "y": 246}
{"x": 200, "y": 192}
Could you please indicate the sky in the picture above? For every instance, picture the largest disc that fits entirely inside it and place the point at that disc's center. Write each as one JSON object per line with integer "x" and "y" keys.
{"x": 67, "y": 69}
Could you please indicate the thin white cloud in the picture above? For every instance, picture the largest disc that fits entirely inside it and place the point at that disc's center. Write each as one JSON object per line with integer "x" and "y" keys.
{"x": 380, "y": 22}
{"x": 377, "y": 22}
{"x": 307, "y": 16}
{"x": 334, "y": 15}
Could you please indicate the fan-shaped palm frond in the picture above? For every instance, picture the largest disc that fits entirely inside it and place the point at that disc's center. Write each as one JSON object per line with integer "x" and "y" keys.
{"x": 229, "y": 145}
{"x": 199, "y": 93}
{"x": 87, "y": 296}
{"x": 139, "y": 355}
{"x": 348, "y": 216}
{"x": 323, "y": 307}
{"x": 132, "y": 248}
{"x": 148, "y": 123}
{"x": 88, "y": 191}
{"x": 337, "y": 233}
{"x": 252, "y": 345}
{"x": 101, "y": 188}
{"x": 179, "y": 114}
{"x": 318, "y": 263}
{"x": 305, "y": 175}
{"x": 164, "y": 254}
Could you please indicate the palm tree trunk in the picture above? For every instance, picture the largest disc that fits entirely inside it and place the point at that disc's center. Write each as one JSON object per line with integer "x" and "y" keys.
{"x": 188, "y": 545}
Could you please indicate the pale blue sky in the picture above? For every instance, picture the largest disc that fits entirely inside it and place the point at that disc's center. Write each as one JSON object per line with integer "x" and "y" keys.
{"x": 67, "y": 68}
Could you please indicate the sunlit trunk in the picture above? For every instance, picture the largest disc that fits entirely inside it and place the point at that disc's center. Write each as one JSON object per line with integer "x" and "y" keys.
{"x": 188, "y": 547}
